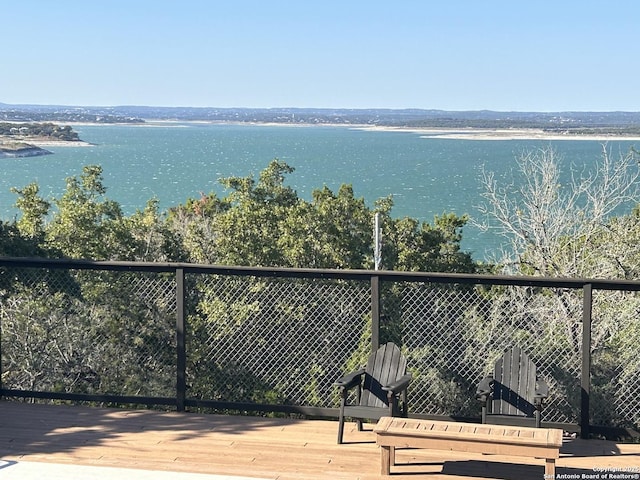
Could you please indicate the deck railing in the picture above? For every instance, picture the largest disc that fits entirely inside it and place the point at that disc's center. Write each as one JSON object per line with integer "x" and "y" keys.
{"x": 275, "y": 339}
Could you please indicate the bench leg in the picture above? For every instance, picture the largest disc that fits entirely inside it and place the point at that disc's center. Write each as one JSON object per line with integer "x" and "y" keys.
{"x": 550, "y": 468}
{"x": 385, "y": 455}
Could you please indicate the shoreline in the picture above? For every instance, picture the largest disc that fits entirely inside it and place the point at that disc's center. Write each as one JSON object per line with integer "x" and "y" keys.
{"x": 42, "y": 142}
{"x": 58, "y": 143}
{"x": 470, "y": 133}
{"x": 497, "y": 134}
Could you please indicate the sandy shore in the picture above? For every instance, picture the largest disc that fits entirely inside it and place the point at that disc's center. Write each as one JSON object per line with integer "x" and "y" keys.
{"x": 58, "y": 143}
{"x": 497, "y": 134}
{"x": 444, "y": 133}
{"x": 43, "y": 142}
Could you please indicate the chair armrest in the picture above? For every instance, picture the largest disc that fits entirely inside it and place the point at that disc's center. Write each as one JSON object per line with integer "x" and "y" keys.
{"x": 399, "y": 385}
{"x": 350, "y": 380}
{"x": 484, "y": 389}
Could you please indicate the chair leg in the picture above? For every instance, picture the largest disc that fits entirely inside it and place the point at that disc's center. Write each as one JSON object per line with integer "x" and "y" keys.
{"x": 359, "y": 424}
{"x": 392, "y": 401}
{"x": 340, "y": 429}
{"x": 405, "y": 405}
{"x": 341, "y": 419}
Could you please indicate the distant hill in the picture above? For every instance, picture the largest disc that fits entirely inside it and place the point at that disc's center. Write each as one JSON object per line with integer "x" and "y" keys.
{"x": 62, "y": 114}
{"x": 575, "y": 122}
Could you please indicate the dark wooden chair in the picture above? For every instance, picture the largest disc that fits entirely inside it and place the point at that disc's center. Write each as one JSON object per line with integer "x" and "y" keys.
{"x": 514, "y": 394}
{"x": 381, "y": 388}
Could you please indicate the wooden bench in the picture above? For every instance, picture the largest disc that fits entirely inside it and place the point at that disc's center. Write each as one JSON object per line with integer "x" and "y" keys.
{"x": 393, "y": 432}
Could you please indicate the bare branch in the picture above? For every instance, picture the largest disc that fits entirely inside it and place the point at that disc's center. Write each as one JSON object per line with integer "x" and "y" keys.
{"x": 550, "y": 225}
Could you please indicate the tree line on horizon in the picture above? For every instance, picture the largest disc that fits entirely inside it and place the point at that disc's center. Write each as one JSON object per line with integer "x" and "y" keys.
{"x": 622, "y": 123}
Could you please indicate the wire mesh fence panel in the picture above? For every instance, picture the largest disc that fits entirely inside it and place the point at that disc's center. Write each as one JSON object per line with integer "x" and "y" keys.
{"x": 615, "y": 363}
{"x": 452, "y": 335}
{"x": 90, "y": 332}
{"x": 275, "y": 341}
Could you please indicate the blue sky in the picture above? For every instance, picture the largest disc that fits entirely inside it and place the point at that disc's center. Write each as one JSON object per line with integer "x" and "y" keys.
{"x": 455, "y": 55}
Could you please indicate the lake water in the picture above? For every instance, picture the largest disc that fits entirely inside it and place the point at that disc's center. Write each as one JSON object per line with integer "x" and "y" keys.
{"x": 425, "y": 176}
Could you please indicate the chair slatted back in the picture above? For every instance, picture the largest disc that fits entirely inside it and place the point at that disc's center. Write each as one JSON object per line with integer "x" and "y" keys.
{"x": 514, "y": 384}
{"x": 384, "y": 366}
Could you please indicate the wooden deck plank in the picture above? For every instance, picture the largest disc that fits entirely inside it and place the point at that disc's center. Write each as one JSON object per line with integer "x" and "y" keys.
{"x": 278, "y": 449}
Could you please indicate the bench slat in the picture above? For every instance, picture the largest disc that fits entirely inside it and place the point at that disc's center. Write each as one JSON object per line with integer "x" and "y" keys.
{"x": 481, "y": 432}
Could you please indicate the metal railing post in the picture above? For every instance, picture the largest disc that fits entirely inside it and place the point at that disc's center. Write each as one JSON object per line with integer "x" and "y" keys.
{"x": 181, "y": 353}
{"x": 585, "y": 381}
{"x": 375, "y": 312}
{"x": 1, "y": 385}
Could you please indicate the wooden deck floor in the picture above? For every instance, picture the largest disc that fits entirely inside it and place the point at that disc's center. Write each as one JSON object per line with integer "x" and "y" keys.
{"x": 282, "y": 449}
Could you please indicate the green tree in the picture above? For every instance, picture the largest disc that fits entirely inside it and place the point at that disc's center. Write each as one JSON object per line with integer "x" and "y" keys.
{"x": 14, "y": 244}
{"x": 86, "y": 224}
{"x": 415, "y": 246}
{"x": 265, "y": 223}
{"x": 151, "y": 239}
{"x": 34, "y": 211}
{"x": 333, "y": 231}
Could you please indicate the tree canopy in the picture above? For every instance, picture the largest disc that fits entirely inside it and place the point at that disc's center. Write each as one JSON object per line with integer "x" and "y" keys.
{"x": 263, "y": 222}
{"x": 259, "y": 222}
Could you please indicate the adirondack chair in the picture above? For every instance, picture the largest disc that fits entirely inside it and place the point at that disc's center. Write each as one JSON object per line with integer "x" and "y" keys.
{"x": 381, "y": 388}
{"x": 514, "y": 394}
